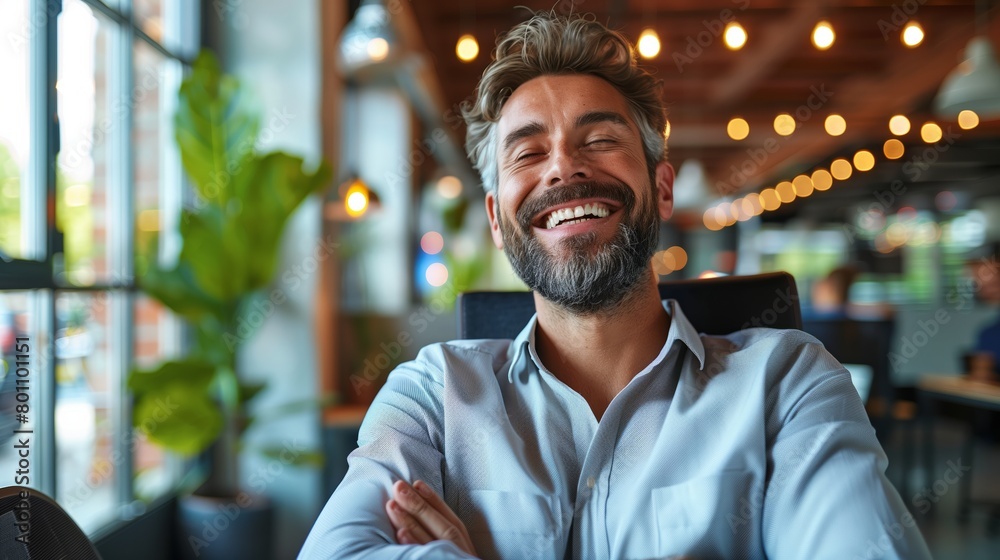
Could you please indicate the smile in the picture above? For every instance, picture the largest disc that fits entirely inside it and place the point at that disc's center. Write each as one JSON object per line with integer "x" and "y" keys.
{"x": 576, "y": 215}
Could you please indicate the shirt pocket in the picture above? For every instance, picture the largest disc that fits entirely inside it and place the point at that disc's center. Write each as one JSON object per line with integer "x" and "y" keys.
{"x": 516, "y": 525}
{"x": 704, "y": 517}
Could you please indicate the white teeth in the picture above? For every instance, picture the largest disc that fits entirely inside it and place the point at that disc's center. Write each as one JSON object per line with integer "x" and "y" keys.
{"x": 567, "y": 215}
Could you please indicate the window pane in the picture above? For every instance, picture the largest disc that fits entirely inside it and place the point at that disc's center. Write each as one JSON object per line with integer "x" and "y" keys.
{"x": 85, "y": 125}
{"x": 15, "y": 134}
{"x": 157, "y": 337}
{"x": 86, "y": 468}
{"x": 21, "y": 367}
{"x": 148, "y": 14}
{"x": 156, "y": 170}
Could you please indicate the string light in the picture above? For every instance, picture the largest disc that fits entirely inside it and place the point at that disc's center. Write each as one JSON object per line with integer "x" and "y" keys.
{"x": 899, "y": 125}
{"x": 841, "y": 169}
{"x": 738, "y": 128}
{"x": 893, "y": 149}
{"x": 930, "y": 132}
{"x": 835, "y": 125}
{"x": 784, "y": 124}
{"x": 968, "y": 120}
{"x": 822, "y": 180}
{"x": 864, "y": 160}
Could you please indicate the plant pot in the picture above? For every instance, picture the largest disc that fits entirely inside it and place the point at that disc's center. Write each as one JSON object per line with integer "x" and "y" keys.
{"x": 225, "y": 527}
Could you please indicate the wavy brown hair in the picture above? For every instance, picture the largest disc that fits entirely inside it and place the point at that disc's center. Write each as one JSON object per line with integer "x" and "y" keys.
{"x": 548, "y": 44}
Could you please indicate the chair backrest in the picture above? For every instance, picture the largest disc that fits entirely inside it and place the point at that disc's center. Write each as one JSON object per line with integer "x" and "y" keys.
{"x": 32, "y": 526}
{"x": 858, "y": 341}
{"x": 713, "y": 305}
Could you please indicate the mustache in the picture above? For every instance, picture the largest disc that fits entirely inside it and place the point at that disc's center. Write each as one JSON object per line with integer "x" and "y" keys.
{"x": 615, "y": 191}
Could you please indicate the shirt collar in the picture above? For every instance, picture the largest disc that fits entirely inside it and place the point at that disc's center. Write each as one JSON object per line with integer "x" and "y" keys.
{"x": 523, "y": 348}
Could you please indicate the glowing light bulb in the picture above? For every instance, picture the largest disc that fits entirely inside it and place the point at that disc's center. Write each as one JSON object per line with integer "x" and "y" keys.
{"x": 930, "y": 132}
{"x": 784, "y": 124}
{"x": 912, "y": 34}
{"x": 835, "y": 125}
{"x": 899, "y": 125}
{"x": 649, "y": 43}
{"x": 864, "y": 160}
{"x": 893, "y": 149}
{"x": 467, "y": 48}
{"x": 738, "y": 128}
{"x": 823, "y": 35}
{"x": 968, "y": 120}
{"x": 735, "y": 36}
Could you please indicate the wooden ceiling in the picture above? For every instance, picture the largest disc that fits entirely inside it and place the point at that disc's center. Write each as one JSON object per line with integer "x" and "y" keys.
{"x": 867, "y": 76}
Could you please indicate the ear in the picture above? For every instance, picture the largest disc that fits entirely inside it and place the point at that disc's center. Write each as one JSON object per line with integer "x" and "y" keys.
{"x": 491, "y": 212}
{"x": 664, "y": 178}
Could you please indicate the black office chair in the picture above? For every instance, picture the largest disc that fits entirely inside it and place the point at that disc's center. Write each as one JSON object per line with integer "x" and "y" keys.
{"x": 33, "y": 526}
{"x": 713, "y": 305}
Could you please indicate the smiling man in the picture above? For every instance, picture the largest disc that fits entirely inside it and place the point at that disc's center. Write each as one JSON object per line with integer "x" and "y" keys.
{"x": 609, "y": 428}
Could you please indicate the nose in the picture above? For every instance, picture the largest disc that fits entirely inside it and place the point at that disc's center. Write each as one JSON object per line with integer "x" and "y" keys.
{"x": 566, "y": 164}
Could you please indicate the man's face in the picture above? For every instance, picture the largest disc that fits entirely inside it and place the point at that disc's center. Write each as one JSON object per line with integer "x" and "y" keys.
{"x": 576, "y": 208}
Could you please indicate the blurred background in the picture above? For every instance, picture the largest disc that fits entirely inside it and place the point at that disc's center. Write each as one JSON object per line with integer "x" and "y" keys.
{"x": 852, "y": 143}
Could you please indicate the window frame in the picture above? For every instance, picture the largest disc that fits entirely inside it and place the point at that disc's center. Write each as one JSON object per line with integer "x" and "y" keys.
{"x": 36, "y": 272}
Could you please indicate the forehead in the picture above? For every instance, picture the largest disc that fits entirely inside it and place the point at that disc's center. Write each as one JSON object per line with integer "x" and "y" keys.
{"x": 554, "y": 99}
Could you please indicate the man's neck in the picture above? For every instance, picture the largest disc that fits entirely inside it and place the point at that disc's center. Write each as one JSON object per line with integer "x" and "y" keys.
{"x": 597, "y": 355}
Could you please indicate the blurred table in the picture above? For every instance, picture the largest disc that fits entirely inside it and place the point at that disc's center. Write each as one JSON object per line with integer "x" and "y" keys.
{"x": 958, "y": 389}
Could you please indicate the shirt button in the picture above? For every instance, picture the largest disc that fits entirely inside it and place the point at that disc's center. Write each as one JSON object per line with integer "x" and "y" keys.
{"x": 591, "y": 482}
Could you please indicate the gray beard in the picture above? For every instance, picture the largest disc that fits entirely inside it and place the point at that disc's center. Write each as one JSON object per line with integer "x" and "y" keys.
{"x": 594, "y": 279}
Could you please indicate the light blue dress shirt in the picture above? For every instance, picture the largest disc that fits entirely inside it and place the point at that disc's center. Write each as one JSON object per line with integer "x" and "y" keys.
{"x": 751, "y": 445}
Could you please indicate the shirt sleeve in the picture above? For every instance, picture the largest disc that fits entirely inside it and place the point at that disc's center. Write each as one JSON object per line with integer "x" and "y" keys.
{"x": 400, "y": 438}
{"x": 827, "y": 495}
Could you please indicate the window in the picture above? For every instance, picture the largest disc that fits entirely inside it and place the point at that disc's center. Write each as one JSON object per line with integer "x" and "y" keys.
{"x": 79, "y": 202}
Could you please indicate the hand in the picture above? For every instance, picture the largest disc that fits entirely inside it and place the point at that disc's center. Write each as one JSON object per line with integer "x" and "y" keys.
{"x": 420, "y": 516}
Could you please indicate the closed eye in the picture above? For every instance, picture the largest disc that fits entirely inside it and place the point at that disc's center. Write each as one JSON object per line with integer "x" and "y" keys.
{"x": 600, "y": 141}
{"x": 526, "y": 155}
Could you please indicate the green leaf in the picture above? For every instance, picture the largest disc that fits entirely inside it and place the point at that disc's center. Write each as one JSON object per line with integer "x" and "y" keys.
{"x": 274, "y": 188}
{"x": 192, "y": 373}
{"x": 215, "y": 257}
{"x": 176, "y": 288}
{"x": 215, "y": 132}
{"x": 179, "y": 417}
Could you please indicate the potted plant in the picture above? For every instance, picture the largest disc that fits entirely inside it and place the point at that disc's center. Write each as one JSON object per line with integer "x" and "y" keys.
{"x": 230, "y": 241}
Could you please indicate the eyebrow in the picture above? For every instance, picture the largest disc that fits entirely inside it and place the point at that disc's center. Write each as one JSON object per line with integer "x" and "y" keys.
{"x": 521, "y": 133}
{"x": 596, "y": 117}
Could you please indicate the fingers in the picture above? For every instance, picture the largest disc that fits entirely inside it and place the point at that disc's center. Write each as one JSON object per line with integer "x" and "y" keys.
{"x": 438, "y": 503}
{"x": 408, "y": 529}
{"x": 424, "y": 516}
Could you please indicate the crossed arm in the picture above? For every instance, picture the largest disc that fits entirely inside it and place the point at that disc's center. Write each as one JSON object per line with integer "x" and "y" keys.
{"x": 420, "y": 516}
